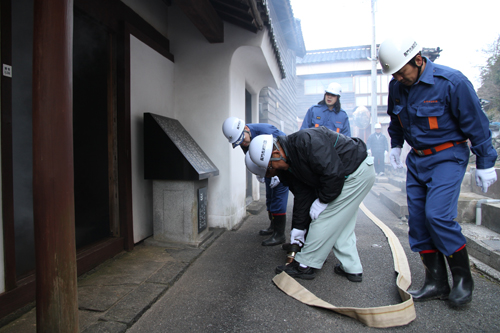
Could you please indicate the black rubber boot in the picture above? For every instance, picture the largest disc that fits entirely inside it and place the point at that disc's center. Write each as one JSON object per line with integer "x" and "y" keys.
{"x": 436, "y": 278}
{"x": 463, "y": 285}
{"x": 268, "y": 231}
{"x": 278, "y": 236}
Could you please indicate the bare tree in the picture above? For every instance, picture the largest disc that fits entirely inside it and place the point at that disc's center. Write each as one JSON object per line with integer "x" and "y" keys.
{"x": 490, "y": 81}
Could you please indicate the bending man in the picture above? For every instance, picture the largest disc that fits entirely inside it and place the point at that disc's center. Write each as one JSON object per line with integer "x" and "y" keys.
{"x": 329, "y": 175}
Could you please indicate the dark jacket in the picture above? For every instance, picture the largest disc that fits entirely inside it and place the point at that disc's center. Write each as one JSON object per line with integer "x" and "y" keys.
{"x": 319, "y": 160}
{"x": 377, "y": 143}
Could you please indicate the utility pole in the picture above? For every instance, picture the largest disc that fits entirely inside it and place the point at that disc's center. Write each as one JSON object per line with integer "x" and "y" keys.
{"x": 374, "y": 71}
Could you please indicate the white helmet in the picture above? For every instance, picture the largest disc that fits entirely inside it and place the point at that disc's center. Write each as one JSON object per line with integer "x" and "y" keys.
{"x": 253, "y": 168}
{"x": 334, "y": 88}
{"x": 394, "y": 53}
{"x": 260, "y": 150}
{"x": 233, "y": 130}
{"x": 377, "y": 125}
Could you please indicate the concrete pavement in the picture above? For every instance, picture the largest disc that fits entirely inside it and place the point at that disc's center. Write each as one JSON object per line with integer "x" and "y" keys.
{"x": 226, "y": 286}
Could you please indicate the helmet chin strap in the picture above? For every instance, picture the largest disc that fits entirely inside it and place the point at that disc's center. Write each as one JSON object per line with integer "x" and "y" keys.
{"x": 419, "y": 70}
{"x": 414, "y": 63}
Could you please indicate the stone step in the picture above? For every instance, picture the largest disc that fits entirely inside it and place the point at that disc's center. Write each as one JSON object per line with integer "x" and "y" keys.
{"x": 395, "y": 201}
{"x": 382, "y": 179}
{"x": 467, "y": 206}
{"x": 483, "y": 244}
{"x": 490, "y": 211}
{"x": 483, "y": 241}
{"x": 398, "y": 182}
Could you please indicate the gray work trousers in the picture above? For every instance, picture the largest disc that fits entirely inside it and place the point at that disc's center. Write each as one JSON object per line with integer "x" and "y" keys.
{"x": 334, "y": 227}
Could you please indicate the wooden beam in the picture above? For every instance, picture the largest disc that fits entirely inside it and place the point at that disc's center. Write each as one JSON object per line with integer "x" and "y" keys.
{"x": 256, "y": 14}
{"x": 203, "y": 15}
{"x": 6, "y": 149}
{"x": 53, "y": 188}
{"x": 241, "y": 11}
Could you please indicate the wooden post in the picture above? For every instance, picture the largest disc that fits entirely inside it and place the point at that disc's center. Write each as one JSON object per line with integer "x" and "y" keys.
{"x": 53, "y": 188}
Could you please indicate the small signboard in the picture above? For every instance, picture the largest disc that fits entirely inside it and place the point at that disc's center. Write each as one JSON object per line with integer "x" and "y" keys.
{"x": 202, "y": 209}
{"x": 170, "y": 153}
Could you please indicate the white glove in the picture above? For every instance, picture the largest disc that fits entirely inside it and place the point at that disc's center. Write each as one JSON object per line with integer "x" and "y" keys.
{"x": 316, "y": 208}
{"x": 274, "y": 182}
{"x": 369, "y": 152}
{"x": 395, "y": 158}
{"x": 485, "y": 178}
{"x": 261, "y": 179}
{"x": 297, "y": 236}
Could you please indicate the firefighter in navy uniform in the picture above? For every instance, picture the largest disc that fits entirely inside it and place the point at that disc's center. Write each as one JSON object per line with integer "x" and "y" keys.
{"x": 435, "y": 109}
{"x": 328, "y": 112}
{"x": 240, "y": 134}
{"x": 377, "y": 145}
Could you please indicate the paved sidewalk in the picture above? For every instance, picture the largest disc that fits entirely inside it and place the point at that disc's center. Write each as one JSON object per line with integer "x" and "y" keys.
{"x": 115, "y": 294}
{"x": 226, "y": 286}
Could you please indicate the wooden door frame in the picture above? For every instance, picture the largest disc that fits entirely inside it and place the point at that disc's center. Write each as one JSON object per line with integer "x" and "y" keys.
{"x": 123, "y": 22}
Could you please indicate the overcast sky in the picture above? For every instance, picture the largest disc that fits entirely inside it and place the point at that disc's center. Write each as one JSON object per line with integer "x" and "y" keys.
{"x": 461, "y": 28}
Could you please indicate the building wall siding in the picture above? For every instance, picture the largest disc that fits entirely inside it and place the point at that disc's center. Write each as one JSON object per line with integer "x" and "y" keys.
{"x": 278, "y": 106}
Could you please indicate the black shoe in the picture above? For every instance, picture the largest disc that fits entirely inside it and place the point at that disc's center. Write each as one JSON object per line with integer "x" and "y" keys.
{"x": 270, "y": 229}
{"x": 294, "y": 270}
{"x": 266, "y": 232}
{"x": 278, "y": 236}
{"x": 351, "y": 277}
{"x": 274, "y": 240}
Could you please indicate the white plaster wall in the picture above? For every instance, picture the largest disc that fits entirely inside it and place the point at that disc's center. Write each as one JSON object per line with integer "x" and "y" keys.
{"x": 210, "y": 82}
{"x": 151, "y": 90}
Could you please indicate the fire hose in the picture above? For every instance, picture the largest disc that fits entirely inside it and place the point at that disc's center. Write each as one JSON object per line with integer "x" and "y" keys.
{"x": 383, "y": 316}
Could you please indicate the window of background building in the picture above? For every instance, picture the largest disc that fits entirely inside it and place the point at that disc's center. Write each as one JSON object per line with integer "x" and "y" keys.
{"x": 364, "y": 84}
{"x": 383, "y": 83}
{"x": 363, "y": 89}
{"x": 318, "y": 86}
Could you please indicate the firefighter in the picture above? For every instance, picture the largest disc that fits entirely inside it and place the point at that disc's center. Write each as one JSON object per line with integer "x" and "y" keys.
{"x": 436, "y": 110}
{"x": 378, "y": 147}
{"x": 328, "y": 112}
{"x": 240, "y": 134}
{"x": 329, "y": 175}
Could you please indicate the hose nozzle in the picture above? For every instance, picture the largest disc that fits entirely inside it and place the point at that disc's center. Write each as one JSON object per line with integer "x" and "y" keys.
{"x": 292, "y": 251}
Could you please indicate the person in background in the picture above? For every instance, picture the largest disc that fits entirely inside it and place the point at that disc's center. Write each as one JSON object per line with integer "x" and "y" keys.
{"x": 239, "y": 134}
{"x": 328, "y": 112}
{"x": 329, "y": 175}
{"x": 378, "y": 147}
{"x": 435, "y": 109}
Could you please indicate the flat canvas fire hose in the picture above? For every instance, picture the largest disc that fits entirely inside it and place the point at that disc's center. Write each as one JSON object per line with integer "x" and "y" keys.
{"x": 383, "y": 316}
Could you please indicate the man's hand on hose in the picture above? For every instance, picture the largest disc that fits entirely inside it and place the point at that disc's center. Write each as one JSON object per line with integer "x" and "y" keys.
{"x": 297, "y": 236}
{"x": 395, "y": 158}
